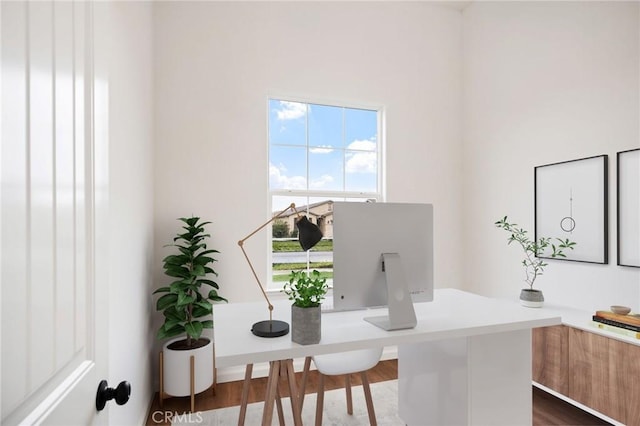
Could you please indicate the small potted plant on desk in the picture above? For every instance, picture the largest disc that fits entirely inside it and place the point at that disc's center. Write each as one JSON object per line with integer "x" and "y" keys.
{"x": 307, "y": 291}
{"x": 186, "y": 366}
{"x": 533, "y": 264}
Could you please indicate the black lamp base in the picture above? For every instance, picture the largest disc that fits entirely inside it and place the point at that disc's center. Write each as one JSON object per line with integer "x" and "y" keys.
{"x": 270, "y": 328}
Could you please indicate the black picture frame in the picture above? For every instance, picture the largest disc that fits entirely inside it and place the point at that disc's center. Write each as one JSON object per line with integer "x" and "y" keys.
{"x": 571, "y": 202}
{"x": 627, "y": 208}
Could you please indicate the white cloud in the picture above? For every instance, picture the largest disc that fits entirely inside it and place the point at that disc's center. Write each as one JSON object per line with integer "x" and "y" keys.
{"x": 361, "y": 162}
{"x": 324, "y": 149}
{"x": 363, "y": 145}
{"x": 279, "y": 179}
{"x": 291, "y": 110}
{"x": 321, "y": 182}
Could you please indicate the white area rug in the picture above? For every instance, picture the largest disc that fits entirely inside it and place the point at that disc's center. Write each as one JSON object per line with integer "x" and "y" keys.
{"x": 385, "y": 401}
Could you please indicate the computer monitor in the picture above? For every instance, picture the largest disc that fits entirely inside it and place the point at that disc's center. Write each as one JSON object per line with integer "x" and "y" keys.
{"x": 383, "y": 256}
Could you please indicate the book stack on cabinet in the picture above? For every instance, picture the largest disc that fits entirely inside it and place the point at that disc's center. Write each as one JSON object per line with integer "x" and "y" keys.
{"x": 626, "y": 325}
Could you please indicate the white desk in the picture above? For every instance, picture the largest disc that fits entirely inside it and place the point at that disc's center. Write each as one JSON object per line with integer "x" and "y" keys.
{"x": 468, "y": 361}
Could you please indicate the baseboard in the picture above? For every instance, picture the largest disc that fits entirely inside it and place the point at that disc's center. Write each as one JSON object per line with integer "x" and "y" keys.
{"x": 232, "y": 374}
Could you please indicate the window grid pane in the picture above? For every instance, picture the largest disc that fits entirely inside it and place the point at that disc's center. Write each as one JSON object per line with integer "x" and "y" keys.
{"x": 337, "y": 161}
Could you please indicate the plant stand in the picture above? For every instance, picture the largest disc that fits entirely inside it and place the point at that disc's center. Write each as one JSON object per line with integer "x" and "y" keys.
{"x": 162, "y": 395}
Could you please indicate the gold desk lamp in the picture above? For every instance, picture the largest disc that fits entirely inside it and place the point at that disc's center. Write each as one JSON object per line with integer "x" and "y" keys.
{"x": 308, "y": 235}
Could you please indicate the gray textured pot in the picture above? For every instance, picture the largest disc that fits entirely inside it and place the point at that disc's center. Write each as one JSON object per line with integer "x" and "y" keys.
{"x": 531, "y": 298}
{"x": 306, "y": 325}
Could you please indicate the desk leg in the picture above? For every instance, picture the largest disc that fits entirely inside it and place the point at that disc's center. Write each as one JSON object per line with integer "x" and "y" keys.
{"x": 279, "y": 407}
{"x": 500, "y": 378}
{"x": 479, "y": 380}
{"x": 272, "y": 386}
{"x": 245, "y": 394}
{"x": 294, "y": 396}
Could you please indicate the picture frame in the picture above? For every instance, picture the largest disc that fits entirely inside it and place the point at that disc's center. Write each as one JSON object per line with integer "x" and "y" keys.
{"x": 571, "y": 202}
{"x": 628, "y": 208}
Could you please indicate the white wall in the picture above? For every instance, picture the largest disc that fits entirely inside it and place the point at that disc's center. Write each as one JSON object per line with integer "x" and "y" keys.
{"x": 130, "y": 85}
{"x": 544, "y": 82}
{"x": 216, "y": 64}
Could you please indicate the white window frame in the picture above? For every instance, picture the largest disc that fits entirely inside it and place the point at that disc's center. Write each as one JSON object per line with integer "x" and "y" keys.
{"x": 379, "y": 196}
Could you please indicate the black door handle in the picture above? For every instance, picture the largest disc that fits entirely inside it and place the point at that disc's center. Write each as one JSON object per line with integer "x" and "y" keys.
{"x": 105, "y": 393}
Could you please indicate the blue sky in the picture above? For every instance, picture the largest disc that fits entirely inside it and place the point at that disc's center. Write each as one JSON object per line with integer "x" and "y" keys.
{"x": 342, "y": 147}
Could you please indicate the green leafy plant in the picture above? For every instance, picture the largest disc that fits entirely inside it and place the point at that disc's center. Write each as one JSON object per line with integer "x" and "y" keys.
{"x": 306, "y": 291}
{"x": 533, "y": 264}
{"x": 183, "y": 304}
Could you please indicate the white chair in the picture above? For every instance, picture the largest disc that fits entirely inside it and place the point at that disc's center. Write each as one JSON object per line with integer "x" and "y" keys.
{"x": 343, "y": 363}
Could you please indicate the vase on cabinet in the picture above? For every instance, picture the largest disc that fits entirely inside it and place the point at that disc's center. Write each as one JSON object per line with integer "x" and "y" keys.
{"x": 531, "y": 298}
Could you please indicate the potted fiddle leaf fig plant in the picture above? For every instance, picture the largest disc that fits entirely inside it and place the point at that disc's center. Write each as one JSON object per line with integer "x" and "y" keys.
{"x": 533, "y": 263}
{"x": 306, "y": 291}
{"x": 186, "y": 304}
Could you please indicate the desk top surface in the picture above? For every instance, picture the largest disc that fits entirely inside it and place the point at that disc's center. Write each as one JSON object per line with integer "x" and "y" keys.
{"x": 452, "y": 314}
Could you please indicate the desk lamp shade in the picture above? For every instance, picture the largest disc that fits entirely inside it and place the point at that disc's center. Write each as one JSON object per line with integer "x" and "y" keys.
{"x": 308, "y": 235}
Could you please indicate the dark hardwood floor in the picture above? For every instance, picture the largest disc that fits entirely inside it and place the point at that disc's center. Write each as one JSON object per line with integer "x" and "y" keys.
{"x": 547, "y": 409}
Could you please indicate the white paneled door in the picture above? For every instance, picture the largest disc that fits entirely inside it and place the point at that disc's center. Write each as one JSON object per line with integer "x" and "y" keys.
{"x": 53, "y": 207}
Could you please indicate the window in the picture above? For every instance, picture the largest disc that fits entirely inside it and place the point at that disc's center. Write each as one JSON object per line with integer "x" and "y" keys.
{"x": 318, "y": 154}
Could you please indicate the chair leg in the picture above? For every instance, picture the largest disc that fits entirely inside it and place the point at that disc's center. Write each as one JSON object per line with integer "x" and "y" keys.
{"x": 320, "y": 400}
{"x": 367, "y": 397}
{"x": 347, "y": 388}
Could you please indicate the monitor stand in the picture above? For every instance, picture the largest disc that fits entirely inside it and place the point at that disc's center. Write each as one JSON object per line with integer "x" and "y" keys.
{"x": 401, "y": 312}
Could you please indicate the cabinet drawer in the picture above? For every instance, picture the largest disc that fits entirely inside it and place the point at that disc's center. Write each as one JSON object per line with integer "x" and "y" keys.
{"x": 604, "y": 375}
{"x": 551, "y": 357}
{"x": 589, "y": 372}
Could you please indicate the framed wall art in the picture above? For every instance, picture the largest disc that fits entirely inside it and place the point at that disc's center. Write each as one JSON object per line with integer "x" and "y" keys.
{"x": 628, "y": 217}
{"x": 571, "y": 201}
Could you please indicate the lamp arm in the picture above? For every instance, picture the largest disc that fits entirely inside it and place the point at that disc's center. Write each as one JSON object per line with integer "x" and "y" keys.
{"x": 264, "y": 293}
{"x": 291, "y": 206}
{"x": 241, "y": 244}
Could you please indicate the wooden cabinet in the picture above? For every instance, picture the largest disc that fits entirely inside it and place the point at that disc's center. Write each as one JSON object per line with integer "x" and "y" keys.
{"x": 550, "y": 357}
{"x": 604, "y": 375}
{"x": 626, "y": 374}
{"x": 599, "y": 372}
{"x": 589, "y": 361}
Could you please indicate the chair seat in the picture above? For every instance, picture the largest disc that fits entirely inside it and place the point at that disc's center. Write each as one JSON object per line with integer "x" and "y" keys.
{"x": 343, "y": 363}
{"x": 347, "y": 362}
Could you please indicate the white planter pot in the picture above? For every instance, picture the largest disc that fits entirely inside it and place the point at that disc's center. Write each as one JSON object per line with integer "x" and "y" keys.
{"x": 177, "y": 371}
